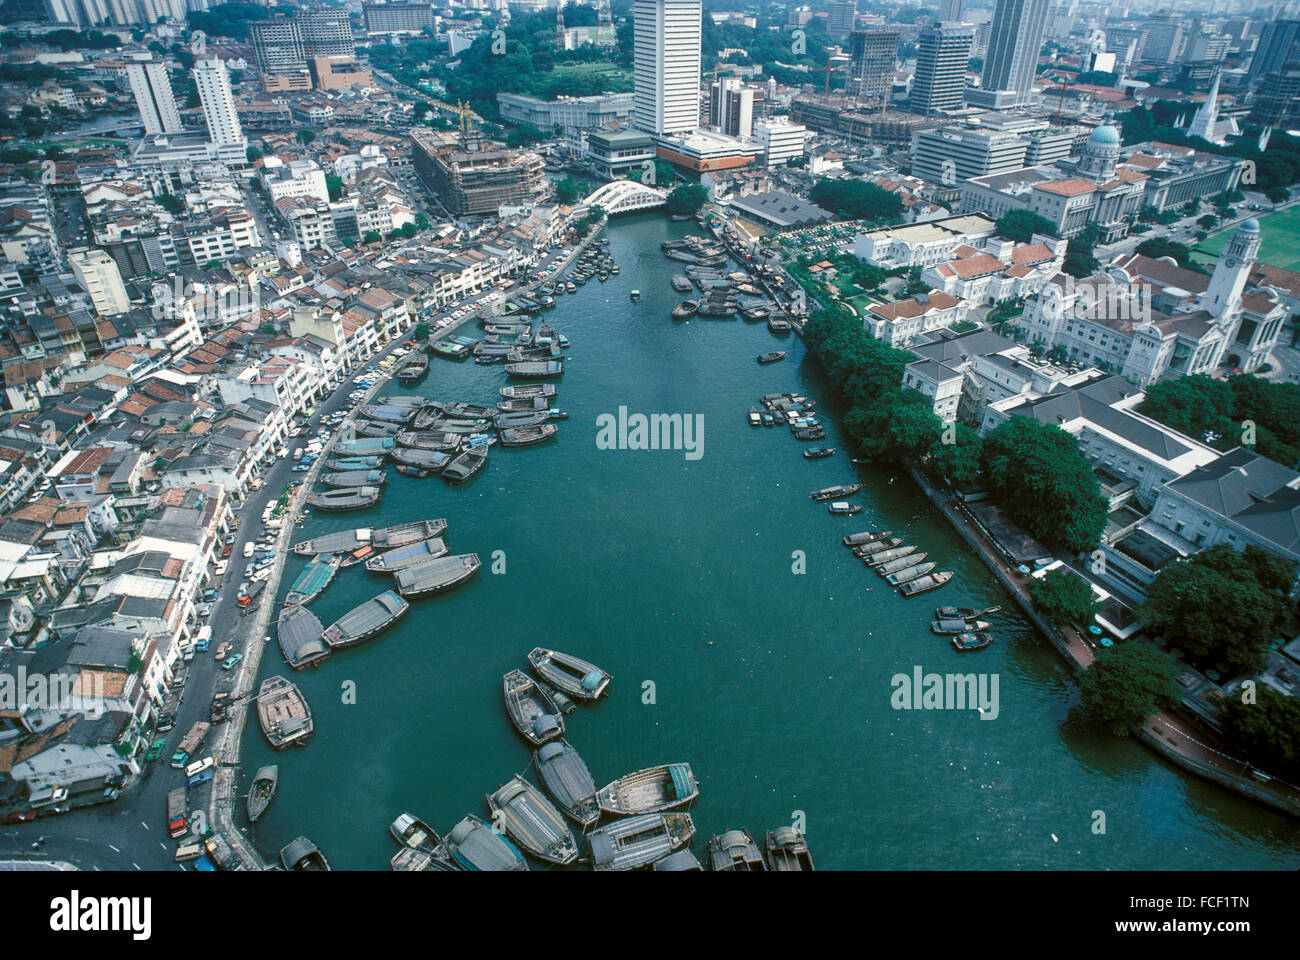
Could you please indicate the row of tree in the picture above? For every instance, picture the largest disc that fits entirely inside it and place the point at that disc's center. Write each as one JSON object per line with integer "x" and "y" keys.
{"x": 1243, "y": 410}
{"x": 1033, "y": 469}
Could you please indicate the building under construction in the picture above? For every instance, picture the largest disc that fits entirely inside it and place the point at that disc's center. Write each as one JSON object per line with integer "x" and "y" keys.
{"x": 471, "y": 180}
{"x": 844, "y": 117}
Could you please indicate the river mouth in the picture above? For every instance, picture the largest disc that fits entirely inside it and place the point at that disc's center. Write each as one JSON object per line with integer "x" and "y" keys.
{"x": 681, "y": 576}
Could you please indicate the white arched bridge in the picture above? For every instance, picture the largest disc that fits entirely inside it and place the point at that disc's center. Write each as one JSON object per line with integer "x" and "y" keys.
{"x": 627, "y": 196}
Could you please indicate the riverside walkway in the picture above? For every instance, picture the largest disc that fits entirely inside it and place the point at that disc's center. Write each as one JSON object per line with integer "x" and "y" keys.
{"x": 248, "y": 632}
{"x": 1162, "y": 732}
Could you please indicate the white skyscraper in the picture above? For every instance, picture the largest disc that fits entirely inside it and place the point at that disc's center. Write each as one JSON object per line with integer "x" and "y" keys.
{"x": 213, "y": 83}
{"x": 667, "y": 60}
{"x": 98, "y": 275}
{"x": 153, "y": 97}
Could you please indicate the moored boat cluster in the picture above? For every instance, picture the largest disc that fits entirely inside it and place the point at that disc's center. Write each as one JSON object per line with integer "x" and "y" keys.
{"x": 899, "y": 563}
{"x": 633, "y": 822}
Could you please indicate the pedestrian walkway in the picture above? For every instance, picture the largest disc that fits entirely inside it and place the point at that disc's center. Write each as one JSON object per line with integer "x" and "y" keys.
{"x": 1162, "y": 732}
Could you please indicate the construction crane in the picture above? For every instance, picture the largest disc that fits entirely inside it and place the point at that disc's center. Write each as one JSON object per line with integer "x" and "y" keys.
{"x": 1060, "y": 104}
{"x": 830, "y": 61}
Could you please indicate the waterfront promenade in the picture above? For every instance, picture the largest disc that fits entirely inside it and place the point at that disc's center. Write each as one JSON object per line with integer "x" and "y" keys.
{"x": 1163, "y": 733}
{"x": 252, "y": 635}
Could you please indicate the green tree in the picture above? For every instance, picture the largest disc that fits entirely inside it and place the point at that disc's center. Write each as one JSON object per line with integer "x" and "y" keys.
{"x": 569, "y": 191}
{"x": 1035, "y": 470}
{"x": 1268, "y": 730}
{"x": 687, "y": 199}
{"x": 1021, "y": 225}
{"x": 372, "y": 236}
{"x": 335, "y": 187}
{"x": 1080, "y": 261}
{"x": 306, "y": 136}
{"x": 421, "y": 331}
{"x": 1220, "y": 605}
{"x": 254, "y": 154}
{"x": 171, "y": 203}
{"x": 959, "y": 460}
{"x": 857, "y": 200}
{"x": 1156, "y": 247}
{"x": 1127, "y": 684}
{"x": 1063, "y": 597}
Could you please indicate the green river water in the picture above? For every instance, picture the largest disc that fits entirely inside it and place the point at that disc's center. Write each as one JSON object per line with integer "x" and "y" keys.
{"x": 774, "y": 685}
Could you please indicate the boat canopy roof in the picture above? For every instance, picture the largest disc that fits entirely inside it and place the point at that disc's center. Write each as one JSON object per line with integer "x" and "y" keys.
{"x": 550, "y": 751}
{"x": 546, "y": 725}
{"x": 602, "y": 848}
{"x": 592, "y": 680}
{"x": 683, "y": 779}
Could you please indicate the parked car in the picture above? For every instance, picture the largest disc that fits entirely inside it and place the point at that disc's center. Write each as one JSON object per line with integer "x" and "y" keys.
{"x": 231, "y": 662}
{"x": 223, "y": 648}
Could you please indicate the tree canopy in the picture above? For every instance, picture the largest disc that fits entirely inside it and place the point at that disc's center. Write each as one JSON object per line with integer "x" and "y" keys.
{"x": 687, "y": 198}
{"x": 1268, "y": 730}
{"x": 1047, "y": 487}
{"x": 857, "y": 200}
{"x": 1225, "y": 413}
{"x": 1221, "y": 604}
{"x": 1063, "y": 597}
{"x": 1021, "y": 225}
{"x": 1127, "y": 684}
{"x": 1156, "y": 247}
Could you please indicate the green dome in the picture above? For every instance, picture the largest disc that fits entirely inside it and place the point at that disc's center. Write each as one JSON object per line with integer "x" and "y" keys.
{"x": 1104, "y": 136}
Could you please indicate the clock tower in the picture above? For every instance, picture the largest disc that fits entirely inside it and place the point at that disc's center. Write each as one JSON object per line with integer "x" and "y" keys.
{"x": 1236, "y": 260}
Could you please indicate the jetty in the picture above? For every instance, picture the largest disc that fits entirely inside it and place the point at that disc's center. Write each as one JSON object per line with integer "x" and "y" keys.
{"x": 365, "y": 620}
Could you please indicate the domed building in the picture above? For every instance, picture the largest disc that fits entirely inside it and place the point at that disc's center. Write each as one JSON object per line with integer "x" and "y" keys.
{"x": 1100, "y": 154}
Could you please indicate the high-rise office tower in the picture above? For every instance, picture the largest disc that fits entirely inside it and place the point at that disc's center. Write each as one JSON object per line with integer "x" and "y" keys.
{"x": 871, "y": 71}
{"x": 949, "y": 11}
{"x": 98, "y": 275}
{"x": 841, "y": 18}
{"x": 1277, "y": 102}
{"x": 277, "y": 44}
{"x": 218, "y": 102}
{"x": 326, "y": 33}
{"x": 942, "y": 56}
{"x": 667, "y": 65}
{"x": 1277, "y": 43}
{"x": 153, "y": 96}
{"x": 83, "y": 13}
{"x": 1164, "y": 37}
{"x": 397, "y": 17}
{"x": 1015, "y": 39}
{"x": 731, "y": 107}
